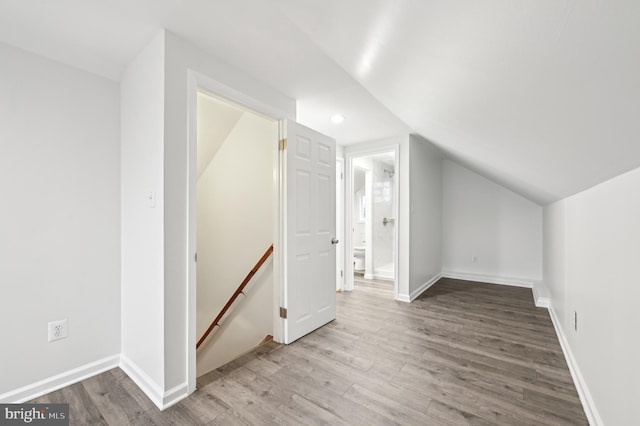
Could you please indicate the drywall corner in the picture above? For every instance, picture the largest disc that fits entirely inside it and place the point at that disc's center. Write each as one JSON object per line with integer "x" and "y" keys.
{"x": 425, "y": 213}
{"x": 142, "y": 217}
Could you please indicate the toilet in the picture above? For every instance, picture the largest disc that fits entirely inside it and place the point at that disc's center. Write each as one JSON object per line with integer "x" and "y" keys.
{"x": 358, "y": 259}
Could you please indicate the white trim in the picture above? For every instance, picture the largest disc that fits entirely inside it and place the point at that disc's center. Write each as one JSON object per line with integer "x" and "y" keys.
{"x": 340, "y": 248}
{"x": 67, "y": 378}
{"x": 280, "y": 334}
{"x": 175, "y": 395}
{"x": 417, "y": 292}
{"x": 403, "y": 298}
{"x": 192, "y": 271}
{"x": 228, "y": 94}
{"x": 279, "y": 236}
{"x": 145, "y": 383}
{"x": 154, "y": 391}
{"x": 540, "y": 302}
{"x": 588, "y": 405}
{"x": 514, "y": 282}
{"x": 161, "y": 399}
{"x": 384, "y": 277}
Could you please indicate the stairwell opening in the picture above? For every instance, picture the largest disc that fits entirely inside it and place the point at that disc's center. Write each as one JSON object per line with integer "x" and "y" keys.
{"x": 234, "y": 226}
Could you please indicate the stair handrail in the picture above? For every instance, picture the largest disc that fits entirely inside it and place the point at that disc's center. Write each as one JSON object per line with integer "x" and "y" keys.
{"x": 235, "y": 295}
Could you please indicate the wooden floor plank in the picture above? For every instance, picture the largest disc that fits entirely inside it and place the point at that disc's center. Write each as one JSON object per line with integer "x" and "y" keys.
{"x": 461, "y": 354}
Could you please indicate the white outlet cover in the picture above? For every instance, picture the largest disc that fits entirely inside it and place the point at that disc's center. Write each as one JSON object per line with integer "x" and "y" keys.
{"x": 58, "y": 330}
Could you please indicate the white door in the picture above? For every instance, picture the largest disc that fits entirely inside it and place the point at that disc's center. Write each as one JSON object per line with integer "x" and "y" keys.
{"x": 310, "y": 227}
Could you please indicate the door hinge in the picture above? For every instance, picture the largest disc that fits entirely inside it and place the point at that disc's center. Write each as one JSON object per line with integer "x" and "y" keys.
{"x": 341, "y": 273}
{"x": 283, "y": 144}
{"x": 283, "y": 313}
{"x": 196, "y": 257}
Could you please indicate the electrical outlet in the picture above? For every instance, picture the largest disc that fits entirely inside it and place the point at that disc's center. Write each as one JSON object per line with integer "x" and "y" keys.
{"x": 58, "y": 330}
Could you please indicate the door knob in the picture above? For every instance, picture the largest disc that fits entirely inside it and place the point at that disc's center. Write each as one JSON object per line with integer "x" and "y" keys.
{"x": 334, "y": 240}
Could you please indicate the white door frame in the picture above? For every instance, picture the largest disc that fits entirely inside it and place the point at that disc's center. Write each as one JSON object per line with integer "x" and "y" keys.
{"x": 348, "y": 234}
{"x": 340, "y": 172}
{"x": 200, "y": 82}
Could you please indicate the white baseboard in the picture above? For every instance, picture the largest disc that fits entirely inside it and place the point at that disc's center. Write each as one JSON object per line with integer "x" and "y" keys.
{"x": 514, "y": 282}
{"x": 403, "y": 298}
{"x": 67, "y": 378}
{"x": 417, "y": 292}
{"x": 581, "y": 386}
{"x": 382, "y": 275}
{"x": 540, "y": 302}
{"x": 175, "y": 395}
{"x": 383, "y": 278}
{"x": 161, "y": 399}
{"x": 144, "y": 382}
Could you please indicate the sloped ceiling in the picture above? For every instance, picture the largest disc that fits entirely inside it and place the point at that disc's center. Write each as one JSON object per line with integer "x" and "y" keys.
{"x": 541, "y": 96}
{"x": 215, "y": 121}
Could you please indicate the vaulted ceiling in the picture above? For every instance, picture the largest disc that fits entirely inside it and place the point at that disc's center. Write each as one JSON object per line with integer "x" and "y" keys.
{"x": 542, "y": 96}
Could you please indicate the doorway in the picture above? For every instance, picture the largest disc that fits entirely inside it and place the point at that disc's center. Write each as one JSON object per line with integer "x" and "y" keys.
{"x": 288, "y": 204}
{"x": 235, "y": 224}
{"x": 371, "y": 214}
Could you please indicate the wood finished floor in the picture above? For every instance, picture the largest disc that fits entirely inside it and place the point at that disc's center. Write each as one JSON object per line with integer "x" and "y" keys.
{"x": 462, "y": 354}
{"x": 382, "y": 288}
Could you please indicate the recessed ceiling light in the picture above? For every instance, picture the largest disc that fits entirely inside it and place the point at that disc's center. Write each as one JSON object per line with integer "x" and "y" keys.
{"x": 337, "y": 119}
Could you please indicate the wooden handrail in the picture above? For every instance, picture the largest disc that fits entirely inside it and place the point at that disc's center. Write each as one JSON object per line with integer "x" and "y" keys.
{"x": 235, "y": 295}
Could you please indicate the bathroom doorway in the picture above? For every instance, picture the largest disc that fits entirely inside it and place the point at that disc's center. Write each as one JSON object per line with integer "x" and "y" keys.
{"x": 372, "y": 208}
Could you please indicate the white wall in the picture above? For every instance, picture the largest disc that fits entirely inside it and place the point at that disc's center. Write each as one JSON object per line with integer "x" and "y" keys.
{"x": 500, "y": 228}
{"x": 235, "y": 227}
{"x": 142, "y": 99}
{"x": 596, "y": 275}
{"x": 59, "y": 222}
{"x": 425, "y": 168}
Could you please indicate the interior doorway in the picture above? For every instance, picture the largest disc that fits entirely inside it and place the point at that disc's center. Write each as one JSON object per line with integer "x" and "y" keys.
{"x": 289, "y": 202}
{"x": 372, "y": 216}
{"x": 235, "y": 224}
